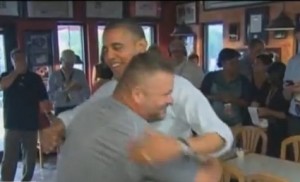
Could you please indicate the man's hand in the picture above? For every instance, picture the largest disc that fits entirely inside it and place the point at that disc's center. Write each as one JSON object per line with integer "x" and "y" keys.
{"x": 46, "y": 106}
{"x": 154, "y": 148}
{"x": 295, "y": 88}
{"x": 263, "y": 111}
{"x": 52, "y": 136}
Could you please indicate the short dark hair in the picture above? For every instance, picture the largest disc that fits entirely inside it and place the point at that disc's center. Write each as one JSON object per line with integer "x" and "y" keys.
{"x": 15, "y": 51}
{"x": 277, "y": 68}
{"x": 130, "y": 24}
{"x": 255, "y": 42}
{"x": 266, "y": 59}
{"x": 142, "y": 66}
{"x": 225, "y": 55}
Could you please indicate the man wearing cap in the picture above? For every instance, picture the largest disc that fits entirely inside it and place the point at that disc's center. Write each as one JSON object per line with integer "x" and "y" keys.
{"x": 68, "y": 86}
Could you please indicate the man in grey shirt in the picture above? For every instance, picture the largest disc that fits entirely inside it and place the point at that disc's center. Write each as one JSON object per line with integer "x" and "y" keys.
{"x": 96, "y": 148}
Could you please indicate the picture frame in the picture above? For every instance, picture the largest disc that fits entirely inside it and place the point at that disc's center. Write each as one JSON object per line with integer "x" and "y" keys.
{"x": 217, "y": 5}
{"x": 256, "y": 21}
{"x": 186, "y": 13}
{"x": 49, "y": 9}
{"x": 105, "y": 9}
{"x": 10, "y": 8}
{"x": 145, "y": 9}
{"x": 39, "y": 47}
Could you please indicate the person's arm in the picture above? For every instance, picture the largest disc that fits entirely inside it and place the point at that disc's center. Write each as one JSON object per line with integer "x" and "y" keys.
{"x": 215, "y": 137}
{"x": 288, "y": 76}
{"x": 246, "y": 95}
{"x": 53, "y": 89}
{"x": 206, "y": 86}
{"x": 6, "y": 79}
{"x": 85, "y": 90}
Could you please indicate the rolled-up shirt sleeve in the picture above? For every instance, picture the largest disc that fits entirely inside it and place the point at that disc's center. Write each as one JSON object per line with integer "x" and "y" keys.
{"x": 193, "y": 107}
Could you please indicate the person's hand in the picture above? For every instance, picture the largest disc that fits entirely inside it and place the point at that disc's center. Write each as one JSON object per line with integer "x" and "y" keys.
{"x": 210, "y": 171}
{"x": 263, "y": 111}
{"x": 74, "y": 86}
{"x": 254, "y": 104}
{"x": 294, "y": 89}
{"x": 52, "y": 137}
{"x": 46, "y": 106}
{"x": 153, "y": 148}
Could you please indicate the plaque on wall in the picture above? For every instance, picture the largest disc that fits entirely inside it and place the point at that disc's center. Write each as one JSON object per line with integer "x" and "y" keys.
{"x": 104, "y": 9}
{"x": 50, "y": 9}
{"x": 9, "y": 8}
{"x": 39, "y": 47}
{"x": 150, "y": 9}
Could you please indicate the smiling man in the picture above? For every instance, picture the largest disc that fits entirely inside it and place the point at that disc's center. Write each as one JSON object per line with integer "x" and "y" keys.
{"x": 189, "y": 112}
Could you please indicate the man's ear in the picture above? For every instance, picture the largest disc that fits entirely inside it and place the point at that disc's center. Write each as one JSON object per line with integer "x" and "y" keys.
{"x": 142, "y": 45}
{"x": 137, "y": 95}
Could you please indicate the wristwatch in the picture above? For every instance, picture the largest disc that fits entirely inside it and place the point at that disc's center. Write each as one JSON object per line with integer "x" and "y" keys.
{"x": 185, "y": 147}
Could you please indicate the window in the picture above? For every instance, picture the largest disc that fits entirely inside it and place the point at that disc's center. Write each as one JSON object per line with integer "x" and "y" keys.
{"x": 2, "y": 69}
{"x": 213, "y": 42}
{"x": 71, "y": 37}
{"x": 148, "y": 30}
{"x": 189, "y": 42}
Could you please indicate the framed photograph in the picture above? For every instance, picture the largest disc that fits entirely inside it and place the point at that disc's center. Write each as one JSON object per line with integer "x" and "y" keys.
{"x": 50, "y": 9}
{"x": 105, "y": 9}
{"x": 147, "y": 9}
{"x": 39, "y": 47}
{"x": 215, "y": 5}
{"x": 10, "y": 8}
{"x": 186, "y": 13}
{"x": 256, "y": 20}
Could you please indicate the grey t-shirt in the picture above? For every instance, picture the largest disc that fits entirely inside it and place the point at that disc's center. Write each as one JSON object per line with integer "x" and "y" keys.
{"x": 96, "y": 148}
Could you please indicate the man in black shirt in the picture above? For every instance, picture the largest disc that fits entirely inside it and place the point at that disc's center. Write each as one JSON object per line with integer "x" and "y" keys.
{"x": 24, "y": 92}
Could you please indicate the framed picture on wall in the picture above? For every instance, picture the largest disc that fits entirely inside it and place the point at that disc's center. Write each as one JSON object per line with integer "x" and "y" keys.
{"x": 50, "y": 9}
{"x": 39, "y": 48}
{"x": 10, "y": 8}
{"x": 186, "y": 13}
{"x": 104, "y": 9}
{"x": 145, "y": 9}
{"x": 256, "y": 20}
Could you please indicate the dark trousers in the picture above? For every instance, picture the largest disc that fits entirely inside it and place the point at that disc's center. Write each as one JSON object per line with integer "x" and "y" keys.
{"x": 293, "y": 125}
{"x": 59, "y": 110}
{"x": 13, "y": 141}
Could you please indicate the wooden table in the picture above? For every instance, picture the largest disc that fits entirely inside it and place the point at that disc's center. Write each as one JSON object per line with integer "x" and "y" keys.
{"x": 255, "y": 163}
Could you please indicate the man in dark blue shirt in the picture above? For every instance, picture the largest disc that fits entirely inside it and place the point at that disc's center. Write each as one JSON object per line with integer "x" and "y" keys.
{"x": 23, "y": 91}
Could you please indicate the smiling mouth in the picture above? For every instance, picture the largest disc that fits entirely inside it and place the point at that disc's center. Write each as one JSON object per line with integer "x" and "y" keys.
{"x": 115, "y": 65}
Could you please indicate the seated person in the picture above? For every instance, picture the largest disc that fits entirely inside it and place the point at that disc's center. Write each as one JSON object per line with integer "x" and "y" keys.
{"x": 275, "y": 109}
{"x": 97, "y": 144}
{"x": 260, "y": 83}
{"x": 228, "y": 91}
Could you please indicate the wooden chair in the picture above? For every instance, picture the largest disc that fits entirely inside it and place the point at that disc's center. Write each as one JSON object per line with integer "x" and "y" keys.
{"x": 41, "y": 161}
{"x": 295, "y": 142}
{"x": 230, "y": 172}
{"x": 249, "y": 137}
{"x": 264, "y": 177}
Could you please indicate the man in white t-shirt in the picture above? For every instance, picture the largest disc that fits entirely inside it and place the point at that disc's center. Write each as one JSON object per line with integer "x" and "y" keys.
{"x": 190, "y": 111}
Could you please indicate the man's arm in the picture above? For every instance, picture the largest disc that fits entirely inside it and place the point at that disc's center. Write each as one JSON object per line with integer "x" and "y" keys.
{"x": 215, "y": 137}
{"x": 7, "y": 79}
{"x": 85, "y": 86}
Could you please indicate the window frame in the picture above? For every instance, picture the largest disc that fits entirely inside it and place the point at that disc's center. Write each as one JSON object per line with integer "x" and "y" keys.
{"x": 83, "y": 40}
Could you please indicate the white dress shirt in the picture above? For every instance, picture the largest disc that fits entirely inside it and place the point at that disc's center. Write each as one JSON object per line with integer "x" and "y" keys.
{"x": 189, "y": 111}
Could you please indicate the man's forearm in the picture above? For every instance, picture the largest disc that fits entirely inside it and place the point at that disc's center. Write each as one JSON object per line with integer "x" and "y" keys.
{"x": 206, "y": 144}
{"x": 8, "y": 80}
